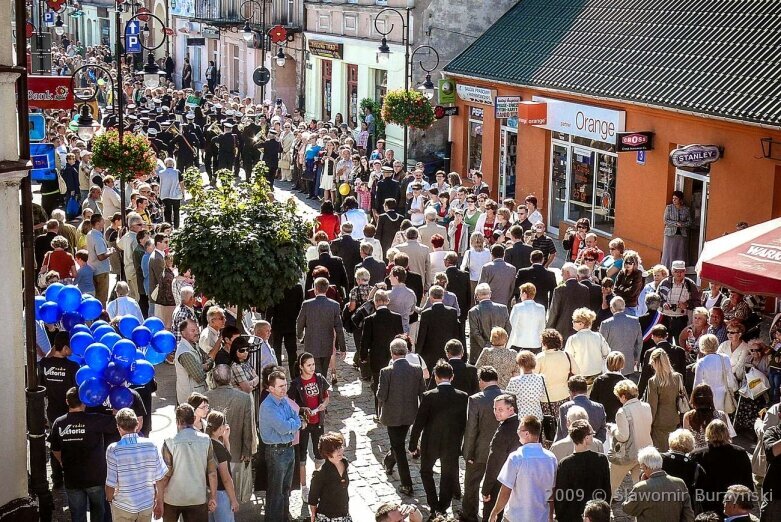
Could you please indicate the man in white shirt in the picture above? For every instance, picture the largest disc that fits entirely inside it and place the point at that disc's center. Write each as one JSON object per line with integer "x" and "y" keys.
{"x": 528, "y": 321}
{"x": 210, "y": 341}
{"x": 110, "y": 198}
{"x": 124, "y": 304}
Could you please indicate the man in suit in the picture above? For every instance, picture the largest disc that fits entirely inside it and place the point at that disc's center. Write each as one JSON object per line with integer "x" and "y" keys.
{"x": 349, "y": 250}
{"x": 622, "y": 332}
{"x": 503, "y": 443}
{"x": 388, "y": 223}
{"x": 578, "y": 389}
{"x": 464, "y": 374}
{"x": 387, "y": 188}
{"x": 566, "y": 299}
{"x": 379, "y": 329}
{"x": 519, "y": 253}
{"x": 417, "y": 253}
{"x": 676, "y": 354}
{"x": 402, "y": 299}
{"x": 400, "y": 388}
{"x": 458, "y": 283}
{"x": 430, "y": 228}
{"x": 318, "y": 322}
{"x": 543, "y": 279}
{"x": 283, "y": 325}
{"x": 657, "y": 496}
{"x": 335, "y": 266}
{"x": 441, "y": 418}
{"x": 438, "y": 325}
{"x": 369, "y": 262}
{"x": 482, "y": 318}
{"x": 156, "y": 268}
{"x": 481, "y": 424}
{"x": 238, "y": 408}
{"x": 594, "y": 290}
{"x": 499, "y": 275}
{"x": 738, "y": 503}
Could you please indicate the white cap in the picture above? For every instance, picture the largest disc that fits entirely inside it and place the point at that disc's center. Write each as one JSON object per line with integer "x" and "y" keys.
{"x": 190, "y": 116}
{"x": 152, "y": 132}
{"x": 678, "y": 265}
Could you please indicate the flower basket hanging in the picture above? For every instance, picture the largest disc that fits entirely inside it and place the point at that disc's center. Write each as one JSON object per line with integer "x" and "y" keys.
{"x": 408, "y": 108}
{"x": 127, "y": 160}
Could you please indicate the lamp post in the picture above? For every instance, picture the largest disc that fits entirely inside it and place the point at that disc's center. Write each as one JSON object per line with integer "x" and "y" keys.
{"x": 427, "y": 86}
{"x": 247, "y": 10}
{"x": 383, "y": 53}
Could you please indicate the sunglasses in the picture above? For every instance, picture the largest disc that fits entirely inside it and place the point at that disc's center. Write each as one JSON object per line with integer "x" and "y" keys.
{"x": 242, "y": 350}
{"x": 589, "y": 259}
{"x": 732, "y": 332}
{"x": 580, "y": 227}
{"x": 629, "y": 262}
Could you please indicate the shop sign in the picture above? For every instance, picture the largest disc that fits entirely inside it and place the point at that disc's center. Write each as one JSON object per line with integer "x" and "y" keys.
{"x": 196, "y": 42}
{"x": 695, "y": 155}
{"x": 43, "y": 162}
{"x": 585, "y": 121}
{"x": 640, "y": 157}
{"x": 475, "y": 113}
{"x": 445, "y": 112}
{"x": 472, "y": 94}
{"x": 532, "y": 113}
{"x": 506, "y": 106}
{"x": 447, "y": 91}
{"x": 633, "y": 141}
{"x": 50, "y": 92}
{"x": 211, "y": 32}
{"x": 335, "y": 51}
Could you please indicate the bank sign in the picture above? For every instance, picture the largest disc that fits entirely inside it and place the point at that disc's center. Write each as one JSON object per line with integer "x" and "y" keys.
{"x": 585, "y": 121}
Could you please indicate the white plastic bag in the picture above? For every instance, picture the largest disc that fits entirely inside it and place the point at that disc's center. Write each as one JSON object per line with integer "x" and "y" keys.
{"x": 754, "y": 385}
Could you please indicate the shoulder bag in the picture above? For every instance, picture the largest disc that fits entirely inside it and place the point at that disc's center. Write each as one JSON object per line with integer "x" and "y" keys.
{"x": 44, "y": 270}
{"x": 569, "y": 372}
{"x": 623, "y": 452}
{"x": 682, "y": 402}
{"x": 549, "y": 422}
{"x": 729, "y": 399}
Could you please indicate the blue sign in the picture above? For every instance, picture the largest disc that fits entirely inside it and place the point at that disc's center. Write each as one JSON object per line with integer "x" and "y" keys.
{"x": 641, "y": 157}
{"x": 44, "y": 166}
{"x": 48, "y": 18}
{"x": 132, "y": 40}
{"x": 37, "y": 126}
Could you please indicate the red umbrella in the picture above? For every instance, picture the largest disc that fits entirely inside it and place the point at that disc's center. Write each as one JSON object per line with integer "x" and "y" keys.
{"x": 748, "y": 261}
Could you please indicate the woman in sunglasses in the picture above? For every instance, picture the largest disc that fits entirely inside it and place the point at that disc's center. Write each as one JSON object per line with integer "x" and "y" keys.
{"x": 243, "y": 375}
{"x": 575, "y": 239}
{"x": 629, "y": 282}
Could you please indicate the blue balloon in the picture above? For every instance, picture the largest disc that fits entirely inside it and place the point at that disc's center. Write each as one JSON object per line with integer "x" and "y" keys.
{"x": 124, "y": 352}
{"x": 93, "y": 391}
{"x": 94, "y": 326}
{"x": 141, "y": 335}
{"x": 164, "y": 342}
{"x": 127, "y": 324}
{"x": 84, "y": 373}
{"x": 115, "y": 374}
{"x": 39, "y": 300}
{"x": 140, "y": 354}
{"x": 141, "y": 373}
{"x": 155, "y": 324}
{"x": 120, "y": 397}
{"x": 53, "y": 291}
{"x": 110, "y": 339}
{"x": 76, "y": 358}
{"x": 69, "y": 298}
{"x": 80, "y": 341}
{"x": 102, "y": 330}
{"x": 154, "y": 357}
{"x": 90, "y": 309}
{"x": 50, "y": 312}
{"x": 97, "y": 356}
{"x": 71, "y": 319}
{"x": 81, "y": 328}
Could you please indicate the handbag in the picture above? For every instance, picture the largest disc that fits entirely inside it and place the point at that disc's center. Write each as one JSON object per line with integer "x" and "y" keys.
{"x": 154, "y": 294}
{"x": 569, "y": 372}
{"x": 729, "y": 400}
{"x": 623, "y": 452}
{"x": 549, "y": 422}
{"x": 682, "y": 402}
{"x": 756, "y": 384}
{"x": 44, "y": 270}
{"x": 72, "y": 209}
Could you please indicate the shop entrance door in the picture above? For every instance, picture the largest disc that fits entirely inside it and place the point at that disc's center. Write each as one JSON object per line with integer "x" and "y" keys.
{"x": 508, "y": 152}
{"x": 695, "y": 189}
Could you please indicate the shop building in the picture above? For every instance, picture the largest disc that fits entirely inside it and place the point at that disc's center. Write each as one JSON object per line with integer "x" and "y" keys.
{"x": 591, "y": 122}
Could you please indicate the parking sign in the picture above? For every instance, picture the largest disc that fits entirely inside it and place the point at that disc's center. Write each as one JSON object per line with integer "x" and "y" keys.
{"x": 132, "y": 41}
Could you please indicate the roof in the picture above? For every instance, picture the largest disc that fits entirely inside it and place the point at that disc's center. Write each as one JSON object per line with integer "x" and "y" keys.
{"x": 714, "y": 57}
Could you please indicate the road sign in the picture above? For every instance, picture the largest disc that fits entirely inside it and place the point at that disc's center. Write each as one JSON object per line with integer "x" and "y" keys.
{"x": 44, "y": 166}
{"x": 261, "y": 76}
{"x": 132, "y": 40}
{"x": 37, "y": 126}
{"x": 49, "y": 18}
{"x": 143, "y": 14}
{"x": 168, "y": 31}
{"x": 29, "y": 29}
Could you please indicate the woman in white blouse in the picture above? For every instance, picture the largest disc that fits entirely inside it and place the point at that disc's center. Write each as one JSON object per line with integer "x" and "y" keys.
{"x": 633, "y": 420}
{"x": 556, "y": 367}
{"x": 527, "y": 319}
{"x": 587, "y": 347}
{"x": 714, "y": 370}
{"x": 528, "y": 387}
{"x": 736, "y": 349}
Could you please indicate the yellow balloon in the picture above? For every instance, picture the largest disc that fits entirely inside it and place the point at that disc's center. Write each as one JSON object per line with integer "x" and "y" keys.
{"x": 344, "y": 189}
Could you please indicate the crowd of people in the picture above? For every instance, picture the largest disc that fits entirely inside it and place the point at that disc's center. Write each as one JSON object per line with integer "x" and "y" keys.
{"x": 553, "y": 387}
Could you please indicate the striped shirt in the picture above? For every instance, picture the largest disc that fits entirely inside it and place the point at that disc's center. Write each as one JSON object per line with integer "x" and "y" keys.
{"x": 134, "y": 465}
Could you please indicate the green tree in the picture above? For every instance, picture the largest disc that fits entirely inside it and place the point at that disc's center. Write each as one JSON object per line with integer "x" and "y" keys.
{"x": 243, "y": 247}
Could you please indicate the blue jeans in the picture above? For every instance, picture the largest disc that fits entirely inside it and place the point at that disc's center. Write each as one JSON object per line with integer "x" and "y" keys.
{"x": 223, "y": 513}
{"x": 775, "y": 383}
{"x": 80, "y": 500}
{"x": 279, "y": 462}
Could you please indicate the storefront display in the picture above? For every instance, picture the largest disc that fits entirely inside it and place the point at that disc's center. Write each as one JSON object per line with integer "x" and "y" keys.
{"x": 475, "y": 138}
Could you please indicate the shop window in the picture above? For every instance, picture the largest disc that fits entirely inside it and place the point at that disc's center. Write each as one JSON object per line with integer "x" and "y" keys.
{"x": 380, "y": 84}
{"x": 581, "y": 188}
{"x": 558, "y": 191}
{"x": 475, "y": 143}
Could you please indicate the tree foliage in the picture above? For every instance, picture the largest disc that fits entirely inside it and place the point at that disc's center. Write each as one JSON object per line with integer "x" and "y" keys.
{"x": 243, "y": 247}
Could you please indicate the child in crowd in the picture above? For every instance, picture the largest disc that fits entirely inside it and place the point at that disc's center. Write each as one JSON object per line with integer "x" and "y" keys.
{"x": 84, "y": 277}
{"x": 364, "y": 194}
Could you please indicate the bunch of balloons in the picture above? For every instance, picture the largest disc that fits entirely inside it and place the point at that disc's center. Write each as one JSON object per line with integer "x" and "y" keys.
{"x": 108, "y": 360}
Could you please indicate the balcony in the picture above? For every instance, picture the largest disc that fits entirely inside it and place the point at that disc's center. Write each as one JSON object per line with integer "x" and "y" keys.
{"x": 233, "y": 13}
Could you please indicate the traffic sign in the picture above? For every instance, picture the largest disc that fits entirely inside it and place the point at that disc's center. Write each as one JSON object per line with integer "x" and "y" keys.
{"x": 37, "y": 126}
{"x": 29, "y": 29}
{"x": 132, "y": 40}
{"x": 49, "y": 18}
{"x": 168, "y": 31}
{"x": 143, "y": 14}
{"x": 261, "y": 76}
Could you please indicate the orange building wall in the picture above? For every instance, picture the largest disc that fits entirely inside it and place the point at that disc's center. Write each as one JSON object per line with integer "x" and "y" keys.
{"x": 743, "y": 185}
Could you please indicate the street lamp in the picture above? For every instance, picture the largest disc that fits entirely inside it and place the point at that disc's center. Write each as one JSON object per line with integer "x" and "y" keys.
{"x": 383, "y": 52}
{"x": 59, "y": 26}
{"x": 151, "y": 72}
{"x": 145, "y": 31}
{"x": 427, "y": 87}
{"x": 247, "y": 32}
{"x": 86, "y": 125}
{"x": 280, "y": 58}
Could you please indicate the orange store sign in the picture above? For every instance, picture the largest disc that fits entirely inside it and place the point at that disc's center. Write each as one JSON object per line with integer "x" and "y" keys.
{"x": 532, "y": 113}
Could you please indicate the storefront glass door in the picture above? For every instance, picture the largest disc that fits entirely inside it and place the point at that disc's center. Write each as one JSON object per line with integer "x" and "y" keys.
{"x": 558, "y": 189}
{"x": 695, "y": 189}
{"x": 508, "y": 153}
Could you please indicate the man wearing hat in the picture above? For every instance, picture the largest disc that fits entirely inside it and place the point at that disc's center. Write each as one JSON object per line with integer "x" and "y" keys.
{"x": 387, "y": 187}
{"x": 227, "y": 146}
{"x": 186, "y": 144}
{"x": 155, "y": 142}
{"x": 680, "y": 296}
{"x": 272, "y": 149}
{"x": 239, "y": 143}
{"x": 250, "y": 154}
{"x": 210, "y": 134}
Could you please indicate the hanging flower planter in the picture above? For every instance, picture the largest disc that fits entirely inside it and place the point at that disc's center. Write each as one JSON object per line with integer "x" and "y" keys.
{"x": 132, "y": 158}
{"x": 408, "y": 108}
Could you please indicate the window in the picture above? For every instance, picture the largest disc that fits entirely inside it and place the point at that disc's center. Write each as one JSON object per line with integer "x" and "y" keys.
{"x": 236, "y": 69}
{"x": 475, "y": 143}
{"x": 290, "y": 12}
{"x": 352, "y": 95}
{"x": 380, "y": 85}
{"x": 327, "y": 87}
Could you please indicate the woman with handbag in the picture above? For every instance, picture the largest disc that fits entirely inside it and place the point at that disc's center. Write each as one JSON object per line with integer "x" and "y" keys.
{"x": 631, "y": 432}
{"x": 714, "y": 370}
{"x": 663, "y": 393}
{"x": 556, "y": 367}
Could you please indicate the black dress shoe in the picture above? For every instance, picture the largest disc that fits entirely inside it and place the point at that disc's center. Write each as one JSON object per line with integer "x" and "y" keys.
{"x": 406, "y": 490}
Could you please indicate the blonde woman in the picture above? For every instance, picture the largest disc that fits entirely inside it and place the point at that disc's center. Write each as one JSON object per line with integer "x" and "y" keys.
{"x": 475, "y": 258}
{"x": 714, "y": 370}
{"x": 662, "y": 395}
{"x": 587, "y": 347}
{"x": 528, "y": 387}
{"x": 556, "y": 367}
{"x": 227, "y": 504}
{"x": 736, "y": 348}
{"x": 499, "y": 356}
{"x": 659, "y": 273}
{"x": 690, "y": 336}
{"x": 633, "y": 420}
